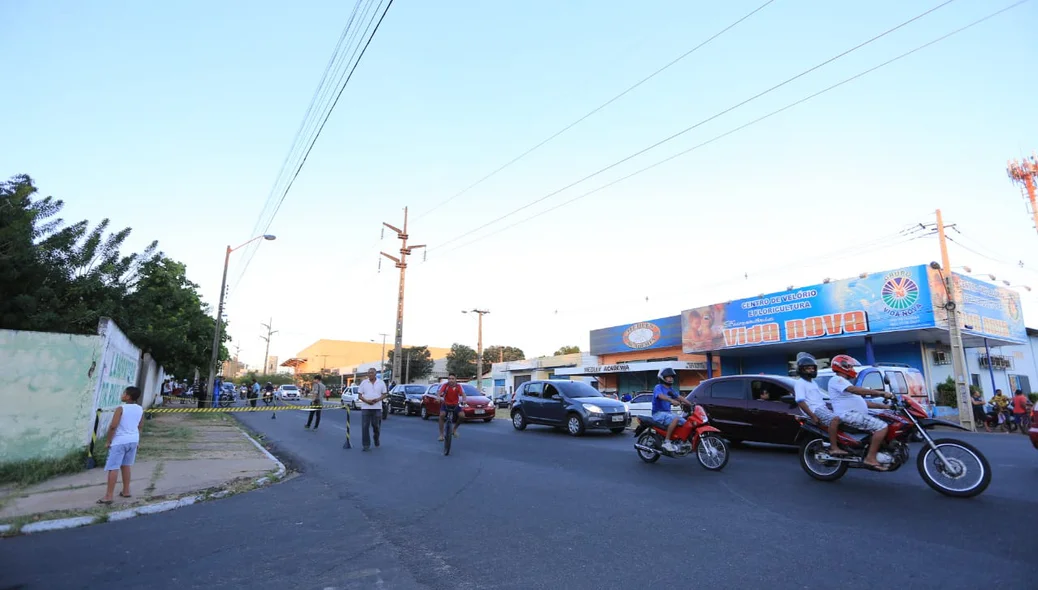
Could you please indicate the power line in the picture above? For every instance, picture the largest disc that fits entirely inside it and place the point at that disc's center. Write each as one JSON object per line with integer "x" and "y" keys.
{"x": 700, "y": 123}
{"x": 597, "y": 109}
{"x": 721, "y": 136}
{"x": 320, "y": 128}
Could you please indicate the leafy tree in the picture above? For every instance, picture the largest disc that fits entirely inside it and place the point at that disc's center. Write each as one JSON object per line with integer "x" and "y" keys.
{"x": 461, "y": 361}
{"x": 416, "y": 363}
{"x": 63, "y": 278}
{"x": 275, "y": 378}
{"x": 567, "y": 350}
{"x": 499, "y": 354}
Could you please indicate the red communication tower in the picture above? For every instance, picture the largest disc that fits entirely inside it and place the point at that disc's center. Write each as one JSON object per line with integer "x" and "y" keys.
{"x": 1025, "y": 173}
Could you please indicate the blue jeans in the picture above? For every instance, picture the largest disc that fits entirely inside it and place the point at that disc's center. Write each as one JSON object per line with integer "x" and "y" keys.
{"x": 370, "y": 420}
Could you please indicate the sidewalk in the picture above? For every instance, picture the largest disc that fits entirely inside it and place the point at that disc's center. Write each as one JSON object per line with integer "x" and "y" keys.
{"x": 179, "y": 454}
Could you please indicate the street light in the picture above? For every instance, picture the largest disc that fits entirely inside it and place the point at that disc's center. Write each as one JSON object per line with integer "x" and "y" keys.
{"x": 219, "y": 311}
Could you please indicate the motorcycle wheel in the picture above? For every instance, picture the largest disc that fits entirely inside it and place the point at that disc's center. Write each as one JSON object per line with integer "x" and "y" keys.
{"x": 820, "y": 470}
{"x": 972, "y": 480}
{"x": 648, "y": 439}
{"x": 712, "y": 452}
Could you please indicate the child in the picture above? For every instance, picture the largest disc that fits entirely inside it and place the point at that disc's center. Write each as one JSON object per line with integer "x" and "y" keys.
{"x": 123, "y": 436}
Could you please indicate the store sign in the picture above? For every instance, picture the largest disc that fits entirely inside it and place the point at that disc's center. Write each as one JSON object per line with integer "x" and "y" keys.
{"x": 987, "y": 310}
{"x": 650, "y": 335}
{"x": 607, "y": 369}
{"x": 892, "y": 301}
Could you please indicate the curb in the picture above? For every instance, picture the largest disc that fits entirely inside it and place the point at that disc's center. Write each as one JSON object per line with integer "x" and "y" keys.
{"x": 165, "y": 506}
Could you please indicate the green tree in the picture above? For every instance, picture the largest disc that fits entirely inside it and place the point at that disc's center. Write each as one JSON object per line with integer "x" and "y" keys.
{"x": 567, "y": 350}
{"x": 499, "y": 354}
{"x": 164, "y": 315}
{"x": 461, "y": 361}
{"x": 416, "y": 363}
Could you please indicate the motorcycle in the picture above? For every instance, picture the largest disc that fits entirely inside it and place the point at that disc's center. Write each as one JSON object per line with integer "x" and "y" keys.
{"x": 949, "y": 466}
{"x": 695, "y": 435}
{"x": 268, "y": 397}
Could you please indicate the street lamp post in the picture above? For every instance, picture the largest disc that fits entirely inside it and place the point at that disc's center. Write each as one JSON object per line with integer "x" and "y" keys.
{"x": 219, "y": 311}
{"x": 479, "y": 348}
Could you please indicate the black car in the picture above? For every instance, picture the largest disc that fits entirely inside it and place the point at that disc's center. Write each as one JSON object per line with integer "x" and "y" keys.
{"x": 407, "y": 398}
{"x": 755, "y": 408}
{"x": 572, "y": 405}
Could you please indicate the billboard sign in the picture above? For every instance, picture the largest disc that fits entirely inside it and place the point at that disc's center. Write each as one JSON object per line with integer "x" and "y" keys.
{"x": 987, "y": 310}
{"x": 661, "y": 333}
{"x": 890, "y": 301}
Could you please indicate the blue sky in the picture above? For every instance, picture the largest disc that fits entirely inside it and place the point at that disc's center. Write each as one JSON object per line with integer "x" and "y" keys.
{"x": 174, "y": 118}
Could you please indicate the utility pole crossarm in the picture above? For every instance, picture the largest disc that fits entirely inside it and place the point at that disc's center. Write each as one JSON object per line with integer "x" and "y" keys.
{"x": 397, "y": 230}
{"x": 401, "y": 263}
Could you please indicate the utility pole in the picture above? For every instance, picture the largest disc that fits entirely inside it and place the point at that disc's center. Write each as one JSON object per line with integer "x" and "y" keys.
{"x": 401, "y": 263}
{"x": 479, "y": 348}
{"x": 407, "y": 369}
{"x": 270, "y": 332}
{"x": 382, "y": 367}
{"x": 1025, "y": 173}
{"x": 961, "y": 369}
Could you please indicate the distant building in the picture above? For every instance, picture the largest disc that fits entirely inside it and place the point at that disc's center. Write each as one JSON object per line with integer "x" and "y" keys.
{"x": 272, "y": 365}
{"x": 345, "y": 355}
{"x": 233, "y": 368}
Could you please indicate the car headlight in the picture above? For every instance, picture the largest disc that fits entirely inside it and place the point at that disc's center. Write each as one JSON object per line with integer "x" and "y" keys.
{"x": 593, "y": 408}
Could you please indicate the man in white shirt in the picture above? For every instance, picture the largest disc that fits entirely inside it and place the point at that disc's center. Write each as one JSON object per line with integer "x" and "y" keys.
{"x": 849, "y": 404}
{"x": 809, "y": 397}
{"x": 370, "y": 394}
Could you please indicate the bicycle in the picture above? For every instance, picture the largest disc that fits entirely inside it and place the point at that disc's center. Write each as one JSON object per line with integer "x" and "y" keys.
{"x": 448, "y": 430}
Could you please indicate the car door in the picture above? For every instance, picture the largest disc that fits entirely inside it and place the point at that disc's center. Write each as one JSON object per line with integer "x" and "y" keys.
{"x": 431, "y": 400}
{"x": 553, "y": 406}
{"x": 531, "y": 401}
{"x": 641, "y": 405}
{"x": 771, "y": 418}
{"x": 725, "y": 402}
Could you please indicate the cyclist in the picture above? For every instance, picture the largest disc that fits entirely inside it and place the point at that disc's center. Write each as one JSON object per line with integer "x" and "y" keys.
{"x": 451, "y": 397}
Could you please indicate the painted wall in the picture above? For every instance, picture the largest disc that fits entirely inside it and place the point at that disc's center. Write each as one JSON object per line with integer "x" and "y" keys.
{"x": 1024, "y": 364}
{"x": 119, "y": 370}
{"x": 47, "y": 386}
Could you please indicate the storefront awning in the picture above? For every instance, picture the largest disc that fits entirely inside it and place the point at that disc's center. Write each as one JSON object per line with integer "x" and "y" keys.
{"x": 293, "y": 362}
{"x": 635, "y": 367}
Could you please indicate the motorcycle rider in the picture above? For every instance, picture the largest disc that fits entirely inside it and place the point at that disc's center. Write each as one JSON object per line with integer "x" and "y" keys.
{"x": 809, "y": 397}
{"x": 268, "y": 390}
{"x": 852, "y": 409}
{"x": 662, "y": 398}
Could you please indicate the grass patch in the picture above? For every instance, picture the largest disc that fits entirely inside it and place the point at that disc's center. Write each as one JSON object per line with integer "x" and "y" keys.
{"x": 32, "y": 471}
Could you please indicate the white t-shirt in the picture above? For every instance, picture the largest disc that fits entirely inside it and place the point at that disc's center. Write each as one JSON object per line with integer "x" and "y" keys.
{"x": 370, "y": 390}
{"x": 807, "y": 391}
{"x": 126, "y": 431}
{"x": 844, "y": 401}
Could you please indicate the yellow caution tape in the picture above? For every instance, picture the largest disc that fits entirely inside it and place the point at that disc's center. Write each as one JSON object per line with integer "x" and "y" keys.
{"x": 232, "y": 409}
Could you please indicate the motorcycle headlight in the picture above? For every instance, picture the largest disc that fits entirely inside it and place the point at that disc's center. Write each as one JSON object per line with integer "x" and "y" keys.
{"x": 593, "y": 408}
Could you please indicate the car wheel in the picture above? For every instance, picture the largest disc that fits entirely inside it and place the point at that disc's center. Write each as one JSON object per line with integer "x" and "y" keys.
{"x": 425, "y": 413}
{"x": 518, "y": 420}
{"x": 575, "y": 425}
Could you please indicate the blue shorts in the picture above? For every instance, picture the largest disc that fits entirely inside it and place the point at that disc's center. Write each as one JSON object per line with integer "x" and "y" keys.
{"x": 665, "y": 418}
{"x": 456, "y": 409}
{"x": 121, "y": 456}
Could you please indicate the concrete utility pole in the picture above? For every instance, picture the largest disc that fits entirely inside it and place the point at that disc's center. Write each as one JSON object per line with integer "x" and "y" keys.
{"x": 266, "y": 354}
{"x": 479, "y": 348}
{"x": 401, "y": 263}
{"x": 961, "y": 369}
{"x": 1025, "y": 173}
{"x": 382, "y": 367}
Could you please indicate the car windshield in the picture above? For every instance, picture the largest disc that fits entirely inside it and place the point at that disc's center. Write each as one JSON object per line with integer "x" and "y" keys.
{"x": 289, "y": 387}
{"x": 414, "y": 389}
{"x": 577, "y": 389}
{"x": 470, "y": 389}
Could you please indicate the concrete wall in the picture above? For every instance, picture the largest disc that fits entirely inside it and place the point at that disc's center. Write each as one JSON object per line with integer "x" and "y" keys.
{"x": 47, "y": 386}
{"x": 1023, "y": 365}
{"x": 119, "y": 370}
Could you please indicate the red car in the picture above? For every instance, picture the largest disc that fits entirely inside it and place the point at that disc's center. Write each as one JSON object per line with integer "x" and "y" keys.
{"x": 1033, "y": 431}
{"x": 477, "y": 406}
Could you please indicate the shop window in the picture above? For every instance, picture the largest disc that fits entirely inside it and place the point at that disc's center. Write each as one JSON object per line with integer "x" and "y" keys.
{"x": 1020, "y": 382}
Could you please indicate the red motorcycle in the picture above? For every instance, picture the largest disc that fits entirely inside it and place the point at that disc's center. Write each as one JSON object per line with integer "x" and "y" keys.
{"x": 947, "y": 465}
{"x": 695, "y": 435}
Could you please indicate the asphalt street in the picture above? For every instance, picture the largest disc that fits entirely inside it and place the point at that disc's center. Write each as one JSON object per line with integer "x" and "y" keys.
{"x": 540, "y": 509}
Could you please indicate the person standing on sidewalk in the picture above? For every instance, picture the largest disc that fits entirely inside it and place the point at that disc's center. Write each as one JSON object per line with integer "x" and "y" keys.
{"x": 370, "y": 393}
{"x": 317, "y": 402}
{"x": 124, "y": 435}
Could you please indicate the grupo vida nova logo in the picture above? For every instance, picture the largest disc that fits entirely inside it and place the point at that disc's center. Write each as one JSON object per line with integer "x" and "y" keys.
{"x": 900, "y": 294}
{"x": 641, "y": 335}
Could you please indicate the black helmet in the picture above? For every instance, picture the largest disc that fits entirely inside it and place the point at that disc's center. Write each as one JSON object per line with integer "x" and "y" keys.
{"x": 664, "y": 373}
{"x": 805, "y": 360}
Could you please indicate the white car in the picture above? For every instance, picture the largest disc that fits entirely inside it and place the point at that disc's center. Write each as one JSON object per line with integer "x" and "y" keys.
{"x": 349, "y": 397}
{"x": 641, "y": 405}
{"x": 287, "y": 392}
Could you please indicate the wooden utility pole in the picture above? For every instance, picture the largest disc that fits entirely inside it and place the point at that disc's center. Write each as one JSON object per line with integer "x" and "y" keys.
{"x": 1025, "y": 173}
{"x": 401, "y": 263}
{"x": 479, "y": 348}
{"x": 266, "y": 354}
{"x": 960, "y": 368}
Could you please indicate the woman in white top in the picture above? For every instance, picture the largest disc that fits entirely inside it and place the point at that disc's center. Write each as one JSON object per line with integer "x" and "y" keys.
{"x": 123, "y": 436}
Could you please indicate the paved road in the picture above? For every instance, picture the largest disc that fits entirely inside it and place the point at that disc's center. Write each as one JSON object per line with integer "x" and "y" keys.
{"x": 538, "y": 509}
